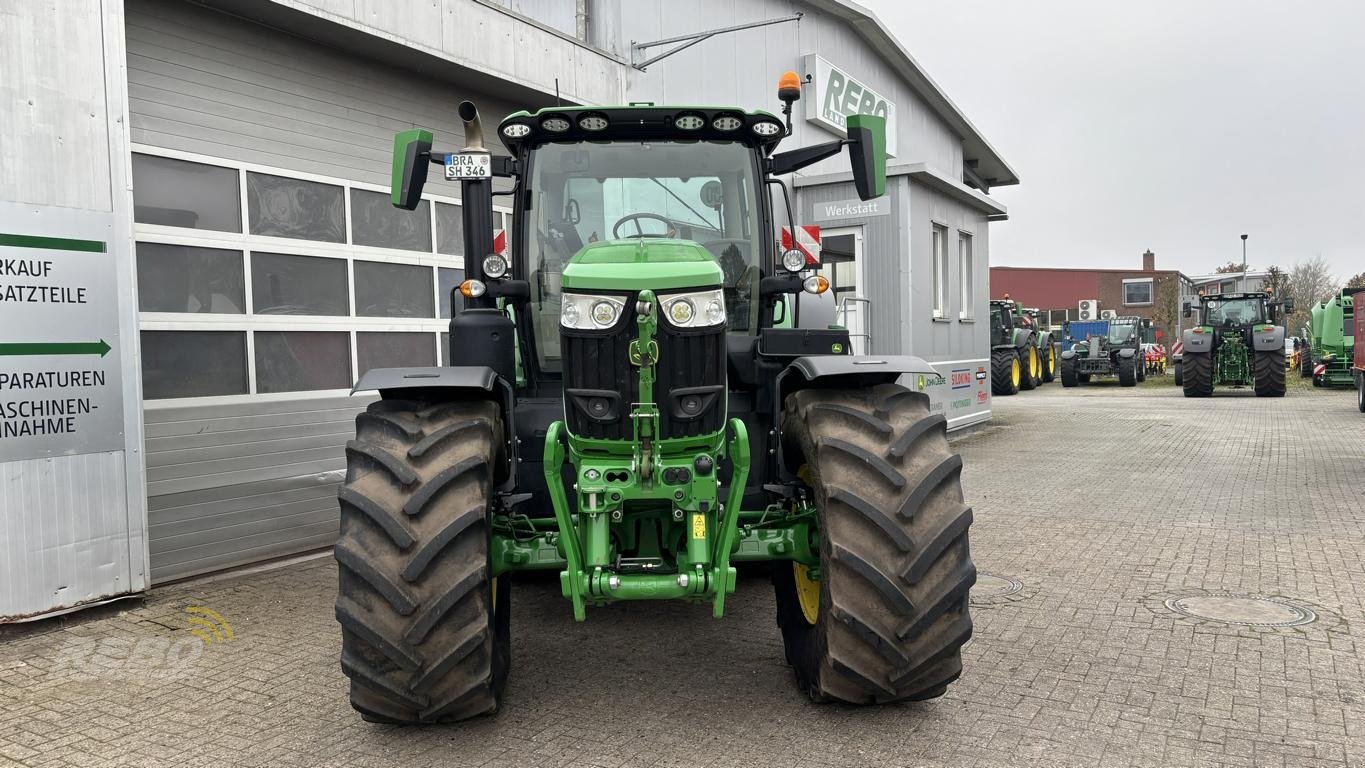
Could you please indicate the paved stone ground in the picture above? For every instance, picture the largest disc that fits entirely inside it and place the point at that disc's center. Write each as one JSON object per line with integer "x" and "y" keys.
{"x": 1102, "y": 502}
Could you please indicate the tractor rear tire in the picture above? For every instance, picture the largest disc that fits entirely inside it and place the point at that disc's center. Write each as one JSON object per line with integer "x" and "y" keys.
{"x": 1049, "y": 364}
{"x": 1141, "y": 368}
{"x": 1269, "y": 374}
{"x": 1179, "y": 379}
{"x": 425, "y": 631}
{"x": 1305, "y": 365}
{"x": 1198, "y": 374}
{"x": 1128, "y": 369}
{"x": 895, "y": 566}
{"x": 1029, "y": 375}
{"x": 1360, "y": 391}
{"x": 1005, "y": 378}
{"x": 1069, "y": 378}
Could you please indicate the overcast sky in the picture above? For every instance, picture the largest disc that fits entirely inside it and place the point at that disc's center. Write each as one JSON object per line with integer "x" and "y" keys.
{"x": 1175, "y": 125}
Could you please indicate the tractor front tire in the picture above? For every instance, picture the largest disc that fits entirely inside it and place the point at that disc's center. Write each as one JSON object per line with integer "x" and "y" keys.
{"x": 425, "y": 632}
{"x": 1305, "y": 365}
{"x": 1128, "y": 372}
{"x": 1005, "y": 372}
{"x": 1069, "y": 377}
{"x": 1179, "y": 380}
{"x": 888, "y": 616}
{"x": 1269, "y": 373}
{"x": 1049, "y": 364}
{"x": 1360, "y": 391}
{"x": 1029, "y": 374}
{"x": 1198, "y": 374}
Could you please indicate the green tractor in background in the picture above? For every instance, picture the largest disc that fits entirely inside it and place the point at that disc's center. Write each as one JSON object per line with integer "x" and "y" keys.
{"x": 1048, "y": 343}
{"x": 1015, "y": 361}
{"x": 1332, "y": 343}
{"x": 633, "y": 409}
{"x": 1235, "y": 343}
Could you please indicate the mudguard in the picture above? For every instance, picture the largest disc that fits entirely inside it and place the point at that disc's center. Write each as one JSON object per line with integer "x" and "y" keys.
{"x": 1127, "y": 353}
{"x": 867, "y": 369}
{"x": 1267, "y": 341}
{"x": 1069, "y": 354}
{"x": 1199, "y": 342}
{"x": 438, "y": 377}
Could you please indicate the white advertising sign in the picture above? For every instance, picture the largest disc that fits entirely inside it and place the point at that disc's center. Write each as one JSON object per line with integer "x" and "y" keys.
{"x": 838, "y": 95}
{"x": 61, "y": 392}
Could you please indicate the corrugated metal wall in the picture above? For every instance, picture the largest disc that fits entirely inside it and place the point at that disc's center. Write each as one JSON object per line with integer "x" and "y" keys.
{"x": 235, "y": 483}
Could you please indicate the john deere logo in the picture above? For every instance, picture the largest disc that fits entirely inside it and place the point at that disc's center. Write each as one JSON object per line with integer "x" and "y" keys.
{"x": 919, "y": 383}
{"x": 208, "y": 625}
{"x": 836, "y": 348}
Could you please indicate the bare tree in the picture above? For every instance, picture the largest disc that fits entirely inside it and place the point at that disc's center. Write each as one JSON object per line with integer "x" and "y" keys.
{"x": 1276, "y": 281}
{"x": 1310, "y": 281}
{"x": 1356, "y": 282}
{"x": 1232, "y": 266}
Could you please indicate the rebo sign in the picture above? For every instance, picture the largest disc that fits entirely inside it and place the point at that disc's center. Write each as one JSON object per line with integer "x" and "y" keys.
{"x": 837, "y": 95}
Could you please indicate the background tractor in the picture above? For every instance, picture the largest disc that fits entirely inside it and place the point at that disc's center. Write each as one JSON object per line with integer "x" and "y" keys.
{"x": 1105, "y": 348}
{"x": 1049, "y": 351}
{"x": 633, "y": 410}
{"x": 1332, "y": 328}
{"x": 1358, "y": 370}
{"x": 1234, "y": 343}
{"x": 1015, "y": 361}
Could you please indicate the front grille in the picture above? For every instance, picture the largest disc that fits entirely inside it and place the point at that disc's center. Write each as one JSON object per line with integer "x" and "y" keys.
{"x": 600, "y": 384}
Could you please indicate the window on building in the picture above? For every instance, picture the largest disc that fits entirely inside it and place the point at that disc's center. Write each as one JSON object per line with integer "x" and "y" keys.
{"x": 940, "y": 271}
{"x": 185, "y": 278}
{"x": 1228, "y": 286}
{"x": 178, "y": 193}
{"x": 1137, "y": 292}
{"x": 393, "y": 290}
{"x": 193, "y": 364}
{"x": 449, "y": 229}
{"x": 296, "y": 361}
{"x": 394, "y": 350}
{"x": 279, "y": 206}
{"x": 965, "y": 276}
{"x": 375, "y": 222}
{"x": 284, "y": 284}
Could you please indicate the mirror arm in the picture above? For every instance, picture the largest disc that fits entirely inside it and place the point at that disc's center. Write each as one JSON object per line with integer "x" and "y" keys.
{"x": 783, "y": 163}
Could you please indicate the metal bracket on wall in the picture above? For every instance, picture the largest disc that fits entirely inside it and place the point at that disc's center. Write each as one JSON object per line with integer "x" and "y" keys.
{"x": 637, "y": 49}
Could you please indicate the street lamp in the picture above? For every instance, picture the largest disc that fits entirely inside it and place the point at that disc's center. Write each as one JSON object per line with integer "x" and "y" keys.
{"x": 1244, "y": 263}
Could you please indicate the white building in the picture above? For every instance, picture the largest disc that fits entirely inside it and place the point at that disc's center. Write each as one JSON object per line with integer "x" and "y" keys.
{"x": 229, "y": 161}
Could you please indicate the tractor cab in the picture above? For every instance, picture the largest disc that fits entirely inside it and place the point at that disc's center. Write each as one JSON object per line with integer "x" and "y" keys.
{"x": 1003, "y": 321}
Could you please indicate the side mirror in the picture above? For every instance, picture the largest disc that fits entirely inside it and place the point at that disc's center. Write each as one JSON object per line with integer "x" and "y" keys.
{"x": 867, "y": 154}
{"x": 1187, "y": 309}
{"x": 411, "y": 158}
{"x": 1288, "y": 305}
{"x": 1146, "y": 323}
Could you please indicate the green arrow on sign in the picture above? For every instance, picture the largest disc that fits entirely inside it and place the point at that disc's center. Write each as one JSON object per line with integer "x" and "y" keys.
{"x": 100, "y": 348}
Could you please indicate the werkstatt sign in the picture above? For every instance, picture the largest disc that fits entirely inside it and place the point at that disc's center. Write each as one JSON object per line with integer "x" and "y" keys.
{"x": 838, "y": 210}
{"x": 838, "y": 95}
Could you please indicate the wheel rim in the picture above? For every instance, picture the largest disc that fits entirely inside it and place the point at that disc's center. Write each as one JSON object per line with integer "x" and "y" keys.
{"x": 1014, "y": 373}
{"x": 807, "y": 593}
{"x": 1033, "y": 362}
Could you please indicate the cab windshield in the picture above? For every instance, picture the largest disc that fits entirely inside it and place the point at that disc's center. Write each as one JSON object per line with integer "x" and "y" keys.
{"x": 583, "y": 192}
{"x": 1233, "y": 312}
{"x": 1121, "y": 332}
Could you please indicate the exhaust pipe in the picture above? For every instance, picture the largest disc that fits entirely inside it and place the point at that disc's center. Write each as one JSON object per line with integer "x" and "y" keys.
{"x": 473, "y": 130}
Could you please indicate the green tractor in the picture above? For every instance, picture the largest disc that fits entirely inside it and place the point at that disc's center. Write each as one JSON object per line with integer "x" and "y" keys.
{"x": 632, "y": 409}
{"x": 1328, "y": 361}
{"x": 1048, "y": 343}
{"x": 1235, "y": 343}
{"x": 1015, "y": 360}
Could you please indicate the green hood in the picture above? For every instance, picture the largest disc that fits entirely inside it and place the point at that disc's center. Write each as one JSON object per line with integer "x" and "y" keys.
{"x": 633, "y": 264}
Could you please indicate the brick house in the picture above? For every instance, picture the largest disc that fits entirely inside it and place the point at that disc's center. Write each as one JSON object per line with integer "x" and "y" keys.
{"x": 1144, "y": 292}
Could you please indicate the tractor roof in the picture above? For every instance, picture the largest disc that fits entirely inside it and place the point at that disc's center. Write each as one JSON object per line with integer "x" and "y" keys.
{"x": 640, "y": 121}
{"x": 1231, "y": 296}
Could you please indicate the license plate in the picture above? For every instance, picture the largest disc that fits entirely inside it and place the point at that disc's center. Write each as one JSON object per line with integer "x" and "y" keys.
{"x": 469, "y": 165}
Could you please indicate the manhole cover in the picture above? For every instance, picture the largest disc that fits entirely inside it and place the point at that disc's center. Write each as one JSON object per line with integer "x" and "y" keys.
{"x": 988, "y": 585}
{"x": 1247, "y": 611}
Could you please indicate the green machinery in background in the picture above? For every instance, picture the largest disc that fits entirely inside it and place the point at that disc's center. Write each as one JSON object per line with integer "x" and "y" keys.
{"x": 632, "y": 408}
{"x": 1234, "y": 343}
{"x": 1110, "y": 347}
{"x": 1015, "y": 360}
{"x": 1047, "y": 342}
{"x": 1331, "y": 341}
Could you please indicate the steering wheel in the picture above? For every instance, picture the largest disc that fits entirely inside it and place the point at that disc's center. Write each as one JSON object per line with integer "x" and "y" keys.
{"x": 635, "y": 217}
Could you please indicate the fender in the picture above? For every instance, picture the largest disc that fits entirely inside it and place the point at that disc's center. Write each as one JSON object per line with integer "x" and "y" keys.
{"x": 1127, "y": 353}
{"x": 1267, "y": 341}
{"x": 449, "y": 383}
{"x": 1199, "y": 342}
{"x": 1069, "y": 354}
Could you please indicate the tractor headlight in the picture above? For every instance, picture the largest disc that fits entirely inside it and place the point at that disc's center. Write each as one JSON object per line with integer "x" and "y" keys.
{"x": 590, "y": 313}
{"x": 494, "y": 265}
{"x": 793, "y": 260}
{"x": 701, "y": 309}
